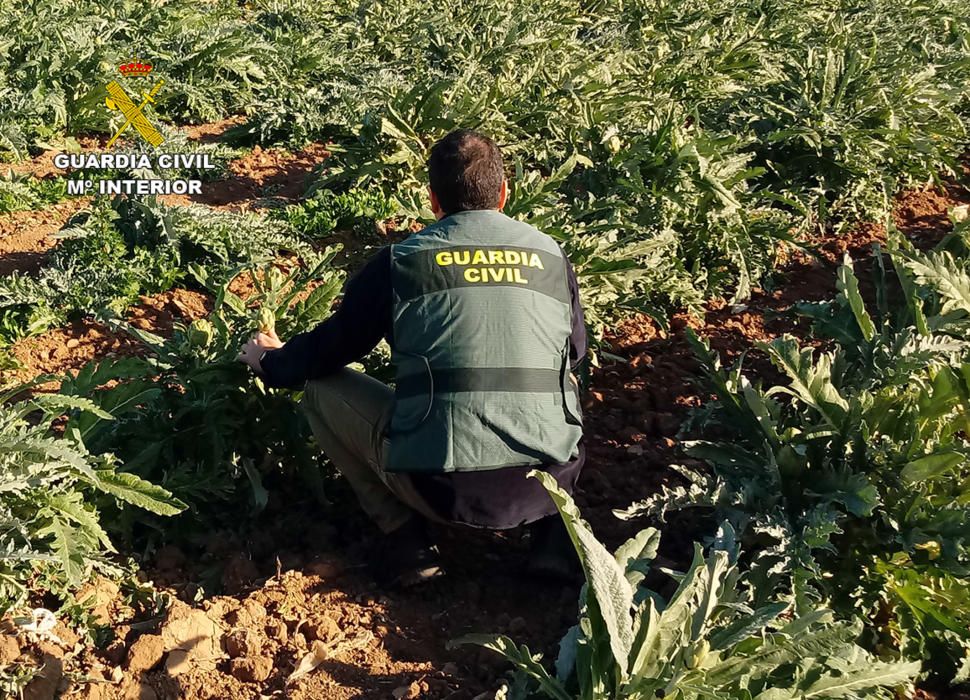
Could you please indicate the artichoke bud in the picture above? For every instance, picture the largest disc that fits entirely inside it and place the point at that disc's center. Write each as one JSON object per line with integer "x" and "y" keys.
{"x": 698, "y": 654}
{"x": 267, "y": 320}
{"x": 200, "y": 333}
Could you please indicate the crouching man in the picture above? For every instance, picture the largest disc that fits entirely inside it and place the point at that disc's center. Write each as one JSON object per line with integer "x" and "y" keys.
{"x": 483, "y": 318}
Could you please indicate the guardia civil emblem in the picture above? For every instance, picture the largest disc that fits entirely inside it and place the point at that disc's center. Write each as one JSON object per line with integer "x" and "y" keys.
{"x": 134, "y": 113}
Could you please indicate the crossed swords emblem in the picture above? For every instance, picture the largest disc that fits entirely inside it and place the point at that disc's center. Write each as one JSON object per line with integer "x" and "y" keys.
{"x": 133, "y": 113}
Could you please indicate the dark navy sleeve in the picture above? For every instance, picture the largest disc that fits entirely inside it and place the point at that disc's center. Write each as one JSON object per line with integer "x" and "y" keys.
{"x": 354, "y": 329}
{"x": 577, "y": 339}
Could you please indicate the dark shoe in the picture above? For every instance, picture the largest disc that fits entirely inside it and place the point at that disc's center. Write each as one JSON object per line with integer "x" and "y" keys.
{"x": 406, "y": 557}
{"x": 551, "y": 552}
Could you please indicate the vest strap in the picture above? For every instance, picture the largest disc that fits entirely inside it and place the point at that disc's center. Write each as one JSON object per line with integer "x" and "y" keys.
{"x": 455, "y": 380}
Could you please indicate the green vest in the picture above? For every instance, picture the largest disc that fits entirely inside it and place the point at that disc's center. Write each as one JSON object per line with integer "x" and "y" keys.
{"x": 482, "y": 319}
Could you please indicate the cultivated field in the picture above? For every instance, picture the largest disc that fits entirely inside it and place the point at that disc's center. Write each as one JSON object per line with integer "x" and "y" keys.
{"x": 767, "y": 206}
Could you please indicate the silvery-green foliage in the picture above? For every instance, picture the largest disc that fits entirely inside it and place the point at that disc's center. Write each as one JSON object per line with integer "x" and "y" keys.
{"x": 705, "y": 135}
{"x": 707, "y": 640}
{"x": 19, "y": 192}
{"x": 694, "y": 138}
{"x": 51, "y": 491}
{"x": 850, "y": 479}
{"x": 194, "y": 419}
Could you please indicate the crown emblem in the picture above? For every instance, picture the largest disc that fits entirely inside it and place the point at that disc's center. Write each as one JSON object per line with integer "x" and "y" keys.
{"x": 135, "y": 69}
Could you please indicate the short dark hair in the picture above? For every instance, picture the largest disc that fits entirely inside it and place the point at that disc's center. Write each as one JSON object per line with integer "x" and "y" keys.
{"x": 465, "y": 171}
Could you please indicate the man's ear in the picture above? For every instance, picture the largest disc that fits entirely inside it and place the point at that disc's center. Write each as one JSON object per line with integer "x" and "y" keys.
{"x": 435, "y": 204}
{"x": 503, "y": 195}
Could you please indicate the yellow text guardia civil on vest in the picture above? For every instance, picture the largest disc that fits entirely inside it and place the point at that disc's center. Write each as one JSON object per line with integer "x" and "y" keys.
{"x": 491, "y": 265}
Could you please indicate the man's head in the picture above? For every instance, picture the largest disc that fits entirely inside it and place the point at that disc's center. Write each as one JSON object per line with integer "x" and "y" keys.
{"x": 465, "y": 171}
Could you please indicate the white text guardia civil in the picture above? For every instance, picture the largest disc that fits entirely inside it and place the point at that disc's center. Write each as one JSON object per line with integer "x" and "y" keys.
{"x": 131, "y": 161}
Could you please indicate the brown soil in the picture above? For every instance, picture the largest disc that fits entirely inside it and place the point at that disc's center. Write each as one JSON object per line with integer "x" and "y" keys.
{"x": 261, "y": 175}
{"x": 160, "y": 313}
{"x": 26, "y": 236}
{"x": 211, "y": 131}
{"x": 924, "y": 214}
{"x": 63, "y": 350}
{"x": 355, "y": 642}
{"x": 302, "y": 594}
{"x": 68, "y": 349}
{"x": 295, "y": 584}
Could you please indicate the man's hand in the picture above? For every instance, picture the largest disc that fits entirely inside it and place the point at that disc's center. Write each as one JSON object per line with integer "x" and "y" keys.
{"x": 253, "y": 350}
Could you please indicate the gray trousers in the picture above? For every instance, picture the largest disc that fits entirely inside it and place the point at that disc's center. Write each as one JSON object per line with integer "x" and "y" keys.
{"x": 349, "y": 412}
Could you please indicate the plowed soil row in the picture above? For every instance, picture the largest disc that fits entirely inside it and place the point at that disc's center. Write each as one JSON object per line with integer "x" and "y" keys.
{"x": 296, "y": 594}
{"x": 69, "y": 348}
{"x": 262, "y": 175}
{"x": 27, "y": 236}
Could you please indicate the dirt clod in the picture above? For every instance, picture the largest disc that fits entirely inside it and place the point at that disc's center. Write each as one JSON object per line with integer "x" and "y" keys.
{"x": 323, "y": 628}
{"x": 276, "y": 629}
{"x": 177, "y": 662}
{"x": 139, "y": 691}
{"x": 252, "y": 669}
{"x": 145, "y": 653}
{"x": 9, "y": 649}
{"x": 195, "y": 633}
{"x": 251, "y": 614}
{"x": 242, "y": 643}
